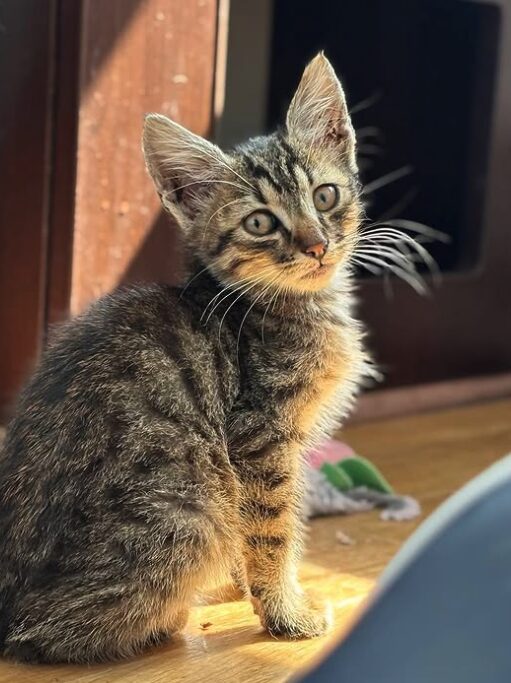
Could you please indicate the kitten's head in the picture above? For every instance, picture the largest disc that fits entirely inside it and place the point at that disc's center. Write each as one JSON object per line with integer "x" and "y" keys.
{"x": 279, "y": 211}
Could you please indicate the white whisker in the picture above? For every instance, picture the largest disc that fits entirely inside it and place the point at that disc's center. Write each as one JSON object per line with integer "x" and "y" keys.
{"x": 413, "y": 226}
{"x": 273, "y": 301}
{"x": 258, "y": 297}
{"x": 368, "y": 132}
{"x": 224, "y": 163}
{"x": 395, "y": 256}
{"x": 365, "y": 104}
{"x": 416, "y": 282}
{"x": 231, "y": 289}
{"x": 203, "y": 270}
{"x": 387, "y": 179}
{"x": 233, "y": 303}
{"x": 375, "y": 270}
{"x": 208, "y": 182}
{"x": 215, "y": 213}
{"x": 397, "y": 237}
{"x": 368, "y": 148}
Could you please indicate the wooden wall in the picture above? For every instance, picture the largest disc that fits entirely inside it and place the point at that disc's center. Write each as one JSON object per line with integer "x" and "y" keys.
{"x": 137, "y": 57}
{"x": 78, "y": 213}
{"x": 26, "y": 77}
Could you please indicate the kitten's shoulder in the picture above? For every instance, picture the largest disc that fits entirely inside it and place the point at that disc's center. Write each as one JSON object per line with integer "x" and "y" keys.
{"x": 129, "y": 307}
{"x": 140, "y": 298}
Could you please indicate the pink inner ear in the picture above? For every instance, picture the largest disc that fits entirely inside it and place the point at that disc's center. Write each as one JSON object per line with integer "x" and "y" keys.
{"x": 337, "y": 131}
{"x": 329, "y": 451}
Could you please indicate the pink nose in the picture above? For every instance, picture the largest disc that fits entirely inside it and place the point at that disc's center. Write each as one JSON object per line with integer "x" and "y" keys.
{"x": 316, "y": 250}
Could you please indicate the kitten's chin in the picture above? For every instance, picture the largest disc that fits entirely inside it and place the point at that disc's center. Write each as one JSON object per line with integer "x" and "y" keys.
{"x": 314, "y": 279}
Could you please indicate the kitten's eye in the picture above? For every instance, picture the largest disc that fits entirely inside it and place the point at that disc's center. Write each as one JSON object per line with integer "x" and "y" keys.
{"x": 260, "y": 223}
{"x": 325, "y": 197}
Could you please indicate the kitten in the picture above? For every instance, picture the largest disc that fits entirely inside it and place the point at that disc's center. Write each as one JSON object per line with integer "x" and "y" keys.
{"x": 161, "y": 437}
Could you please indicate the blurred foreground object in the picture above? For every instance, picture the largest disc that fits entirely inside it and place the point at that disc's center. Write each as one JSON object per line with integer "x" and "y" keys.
{"x": 442, "y": 610}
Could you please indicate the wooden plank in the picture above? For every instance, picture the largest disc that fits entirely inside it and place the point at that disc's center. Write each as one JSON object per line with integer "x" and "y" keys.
{"x": 428, "y": 456}
{"x": 63, "y": 160}
{"x": 385, "y": 403}
{"x": 26, "y": 77}
{"x": 137, "y": 57}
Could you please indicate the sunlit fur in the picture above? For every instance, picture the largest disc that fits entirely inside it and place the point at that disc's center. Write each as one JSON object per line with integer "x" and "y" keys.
{"x": 162, "y": 436}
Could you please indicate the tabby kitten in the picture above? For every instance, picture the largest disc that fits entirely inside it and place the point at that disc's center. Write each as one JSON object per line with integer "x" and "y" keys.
{"x": 161, "y": 437}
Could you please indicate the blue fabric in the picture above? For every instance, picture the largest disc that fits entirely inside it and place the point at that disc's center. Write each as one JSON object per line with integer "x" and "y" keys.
{"x": 447, "y": 617}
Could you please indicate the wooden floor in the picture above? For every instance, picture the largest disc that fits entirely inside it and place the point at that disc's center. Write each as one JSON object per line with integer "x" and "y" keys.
{"x": 428, "y": 456}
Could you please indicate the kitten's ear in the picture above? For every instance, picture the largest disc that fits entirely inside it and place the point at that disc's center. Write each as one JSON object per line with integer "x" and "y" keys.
{"x": 318, "y": 114}
{"x": 181, "y": 164}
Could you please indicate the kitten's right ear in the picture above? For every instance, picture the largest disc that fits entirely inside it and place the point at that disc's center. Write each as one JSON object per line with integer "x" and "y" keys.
{"x": 182, "y": 165}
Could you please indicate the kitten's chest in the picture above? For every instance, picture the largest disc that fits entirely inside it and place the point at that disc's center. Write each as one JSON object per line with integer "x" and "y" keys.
{"x": 322, "y": 374}
{"x": 309, "y": 376}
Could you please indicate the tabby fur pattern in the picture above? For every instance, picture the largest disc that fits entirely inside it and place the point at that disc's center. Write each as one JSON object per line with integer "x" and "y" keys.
{"x": 161, "y": 439}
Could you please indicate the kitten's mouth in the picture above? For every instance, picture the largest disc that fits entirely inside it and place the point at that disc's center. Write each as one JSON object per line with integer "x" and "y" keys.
{"x": 321, "y": 270}
{"x": 312, "y": 276}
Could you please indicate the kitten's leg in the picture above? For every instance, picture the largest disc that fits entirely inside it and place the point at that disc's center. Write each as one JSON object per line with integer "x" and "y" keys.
{"x": 272, "y": 542}
{"x": 239, "y": 581}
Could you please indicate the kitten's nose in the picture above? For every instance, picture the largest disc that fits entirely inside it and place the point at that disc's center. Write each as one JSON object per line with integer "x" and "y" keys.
{"x": 317, "y": 250}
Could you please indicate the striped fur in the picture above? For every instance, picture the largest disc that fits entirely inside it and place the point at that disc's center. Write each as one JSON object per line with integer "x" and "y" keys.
{"x": 160, "y": 440}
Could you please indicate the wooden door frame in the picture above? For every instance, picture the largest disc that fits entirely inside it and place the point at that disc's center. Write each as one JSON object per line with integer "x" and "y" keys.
{"x": 166, "y": 52}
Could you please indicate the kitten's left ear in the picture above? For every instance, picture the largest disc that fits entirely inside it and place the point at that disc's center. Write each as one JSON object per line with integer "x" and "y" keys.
{"x": 318, "y": 114}
{"x": 183, "y": 166}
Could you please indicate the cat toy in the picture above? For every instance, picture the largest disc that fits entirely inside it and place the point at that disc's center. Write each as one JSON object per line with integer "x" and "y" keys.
{"x": 340, "y": 481}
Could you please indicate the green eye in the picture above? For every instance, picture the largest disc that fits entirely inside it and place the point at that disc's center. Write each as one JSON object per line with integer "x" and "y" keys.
{"x": 325, "y": 197}
{"x": 260, "y": 223}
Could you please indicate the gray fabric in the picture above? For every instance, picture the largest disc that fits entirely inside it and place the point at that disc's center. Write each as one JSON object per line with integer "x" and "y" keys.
{"x": 322, "y": 498}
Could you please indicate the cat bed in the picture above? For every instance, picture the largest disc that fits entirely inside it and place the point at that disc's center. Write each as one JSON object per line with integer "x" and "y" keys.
{"x": 340, "y": 481}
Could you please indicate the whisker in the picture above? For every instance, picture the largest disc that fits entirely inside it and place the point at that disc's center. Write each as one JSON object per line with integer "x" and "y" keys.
{"x": 207, "y": 182}
{"x": 230, "y": 289}
{"x": 413, "y": 226}
{"x": 273, "y": 301}
{"x": 404, "y": 244}
{"x": 366, "y": 103}
{"x": 258, "y": 297}
{"x": 416, "y": 282}
{"x": 375, "y": 270}
{"x": 396, "y": 237}
{"x": 387, "y": 179}
{"x": 233, "y": 303}
{"x": 368, "y": 132}
{"x": 387, "y": 285}
{"x": 203, "y": 270}
{"x": 368, "y": 148}
{"x": 224, "y": 163}
{"x": 215, "y": 213}
{"x": 395, "y": 256}
{"x": 238, "y": 286}
{"x": 400, "y": 245}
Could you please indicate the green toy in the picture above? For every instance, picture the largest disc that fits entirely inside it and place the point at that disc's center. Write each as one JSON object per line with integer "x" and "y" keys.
{"x": 353, "y": 472}
{"x": 339, "y": 480}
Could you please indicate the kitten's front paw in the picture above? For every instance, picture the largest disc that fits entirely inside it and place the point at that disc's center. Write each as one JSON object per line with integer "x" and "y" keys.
{"x": 306, "y": 621}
